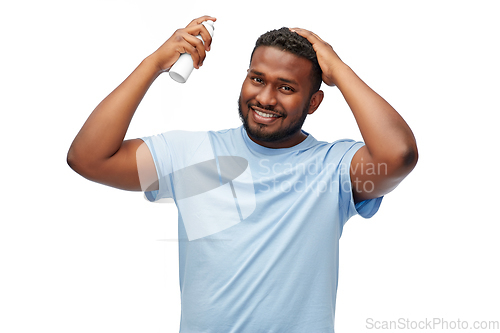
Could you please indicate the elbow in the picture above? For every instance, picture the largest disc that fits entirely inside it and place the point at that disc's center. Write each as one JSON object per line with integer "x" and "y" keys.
{"x": 410, "y": 157}
{"x": 406, "y": 160}
{"x": 72, "y": 161}
{"x": 77, "y": 163}
{"x": 401, "y": 161}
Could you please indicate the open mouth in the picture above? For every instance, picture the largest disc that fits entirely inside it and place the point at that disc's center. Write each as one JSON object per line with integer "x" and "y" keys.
{"x": 266, "y": 115}
{"x": 263, "y": 116}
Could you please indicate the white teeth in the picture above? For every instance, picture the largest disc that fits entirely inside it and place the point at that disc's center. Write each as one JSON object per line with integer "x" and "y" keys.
{"x": 267, "y": 115}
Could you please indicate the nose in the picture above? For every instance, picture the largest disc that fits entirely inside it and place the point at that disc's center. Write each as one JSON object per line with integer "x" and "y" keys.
{"x": 266, "y": 96}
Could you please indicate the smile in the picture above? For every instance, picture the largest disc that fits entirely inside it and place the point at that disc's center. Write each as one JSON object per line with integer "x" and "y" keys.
{"x": 267, "y": 115}
{"x": 261, "y": 112}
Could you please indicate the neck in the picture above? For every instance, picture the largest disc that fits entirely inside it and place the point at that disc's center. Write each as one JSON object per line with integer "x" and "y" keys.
{"x": 283, "y": 143}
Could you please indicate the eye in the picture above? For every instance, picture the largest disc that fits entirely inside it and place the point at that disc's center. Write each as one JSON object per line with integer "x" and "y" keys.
{"x": 287, "y": 89}
{"x": 257, "y": 80}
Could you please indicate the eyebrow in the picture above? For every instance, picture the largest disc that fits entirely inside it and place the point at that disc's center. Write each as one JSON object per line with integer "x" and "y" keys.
{"x": 280, "y": 78}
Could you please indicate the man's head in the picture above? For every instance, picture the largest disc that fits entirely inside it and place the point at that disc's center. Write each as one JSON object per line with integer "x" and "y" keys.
{"x": 286, "y": 40}
{"x": 281, "y": 89}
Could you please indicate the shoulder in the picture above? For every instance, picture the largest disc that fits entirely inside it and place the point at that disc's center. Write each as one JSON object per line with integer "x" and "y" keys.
{"x": 182, "y": 136}
{"x": 228, "y": 133}
{"x": 232, "y": 137}
{"x": 337, "y": 149}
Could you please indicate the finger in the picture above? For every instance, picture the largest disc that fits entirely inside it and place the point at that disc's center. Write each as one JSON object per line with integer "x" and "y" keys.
{"x": 200, "y": 29}
{"x": 193, "y": 53}
{"x": 197, "y": 49}
{"x": 207, "y": 39}
{"x": 309, "y": 35}
{"x": 201, "y": 19}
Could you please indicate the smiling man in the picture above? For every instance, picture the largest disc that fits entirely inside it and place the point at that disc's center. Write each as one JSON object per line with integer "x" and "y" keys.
{"x": 261, "y": 206}
{"x": 275, "y": 120}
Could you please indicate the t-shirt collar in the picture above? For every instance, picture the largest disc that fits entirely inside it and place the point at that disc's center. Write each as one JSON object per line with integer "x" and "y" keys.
{"x": 276, "y": 151}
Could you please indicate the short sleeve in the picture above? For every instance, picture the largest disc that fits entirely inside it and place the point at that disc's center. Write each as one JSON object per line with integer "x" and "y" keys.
{"x": 366, "y": 208}
{"x": 162, "y": 158}
{"x": 173, "y": 151}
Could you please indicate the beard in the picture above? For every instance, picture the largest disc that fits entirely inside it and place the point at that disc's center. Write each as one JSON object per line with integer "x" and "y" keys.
{"x": 259, "y": 132}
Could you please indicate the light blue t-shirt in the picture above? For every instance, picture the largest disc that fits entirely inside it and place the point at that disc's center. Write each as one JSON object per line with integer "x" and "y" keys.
{"x": 259, "y": 228}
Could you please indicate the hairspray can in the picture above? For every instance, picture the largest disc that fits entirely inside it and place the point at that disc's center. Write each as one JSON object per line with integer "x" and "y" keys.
{"x": 183, "y": 67}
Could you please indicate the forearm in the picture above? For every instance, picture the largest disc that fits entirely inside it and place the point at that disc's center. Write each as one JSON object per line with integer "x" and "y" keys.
{"x": 103, "y": 132}
{"x": 387, "y": 136}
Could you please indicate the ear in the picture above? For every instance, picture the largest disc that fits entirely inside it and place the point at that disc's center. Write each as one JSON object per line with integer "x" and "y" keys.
{"x": 315, "y": 101}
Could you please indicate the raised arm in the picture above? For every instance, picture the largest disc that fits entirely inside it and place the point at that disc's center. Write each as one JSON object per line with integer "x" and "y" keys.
{"x": 99, "y": 152}
{"x": 390, "y": 151}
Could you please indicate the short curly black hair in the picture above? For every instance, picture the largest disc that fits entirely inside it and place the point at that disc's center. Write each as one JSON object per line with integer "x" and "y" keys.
{"x": 290, "y": 41}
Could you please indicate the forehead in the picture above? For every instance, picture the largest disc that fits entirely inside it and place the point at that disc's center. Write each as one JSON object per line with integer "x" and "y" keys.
{"x": 275, "y": 63}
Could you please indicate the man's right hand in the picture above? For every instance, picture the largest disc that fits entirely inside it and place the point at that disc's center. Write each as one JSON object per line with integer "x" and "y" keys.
{"x": 185, "y": 41}
{"x": 99, "y": 151}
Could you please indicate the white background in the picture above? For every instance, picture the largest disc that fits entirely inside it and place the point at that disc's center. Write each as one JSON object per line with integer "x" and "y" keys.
{"x": 76, "y": 256}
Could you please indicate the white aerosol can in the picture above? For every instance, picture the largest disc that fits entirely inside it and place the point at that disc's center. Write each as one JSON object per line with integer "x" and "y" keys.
{"x": 183, "y": 67}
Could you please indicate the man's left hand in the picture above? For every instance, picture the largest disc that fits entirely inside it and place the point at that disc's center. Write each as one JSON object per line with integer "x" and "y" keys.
{"x": 327, "y": 57}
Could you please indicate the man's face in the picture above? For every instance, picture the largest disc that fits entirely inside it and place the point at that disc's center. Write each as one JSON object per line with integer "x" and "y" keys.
{"x": 276, "y": 97}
